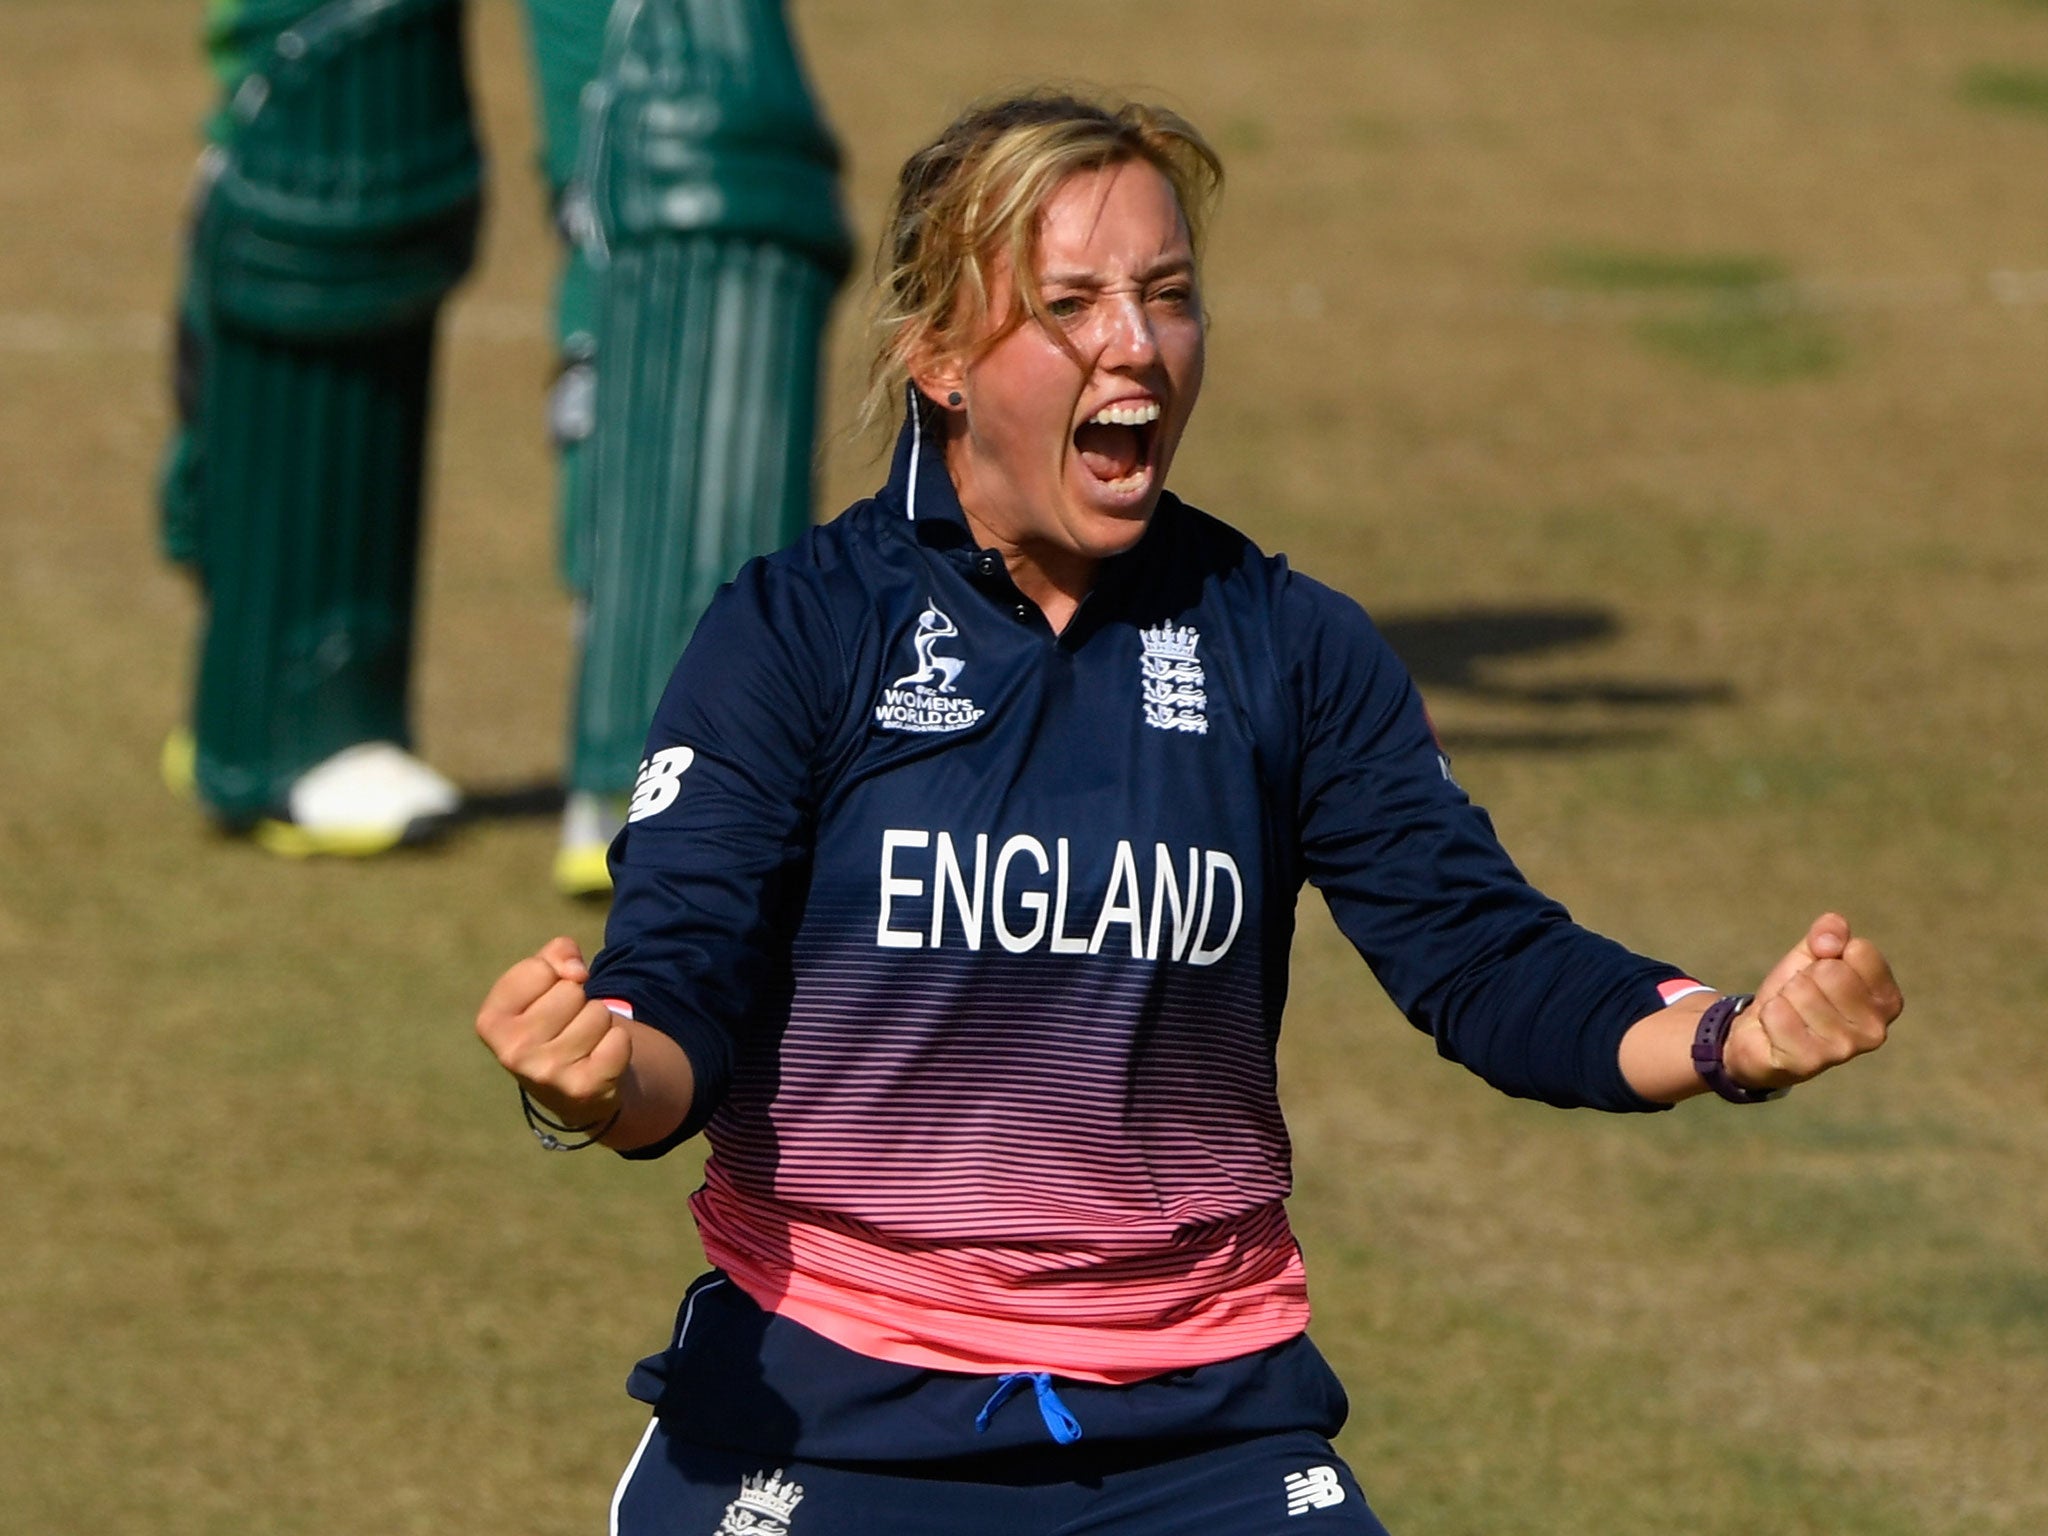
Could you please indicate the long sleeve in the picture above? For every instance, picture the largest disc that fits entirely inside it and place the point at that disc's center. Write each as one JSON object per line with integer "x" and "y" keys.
{"x": 709, "y": 871}
{"x": 1475, "y": 956}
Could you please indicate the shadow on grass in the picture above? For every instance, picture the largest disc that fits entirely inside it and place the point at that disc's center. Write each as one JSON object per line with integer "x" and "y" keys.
{"x": 512, "y": 802}
{"x": 1459, "y": 651}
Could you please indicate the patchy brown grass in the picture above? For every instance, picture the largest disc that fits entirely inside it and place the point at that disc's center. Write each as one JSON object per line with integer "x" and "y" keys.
{"x": 1720, "y": 645}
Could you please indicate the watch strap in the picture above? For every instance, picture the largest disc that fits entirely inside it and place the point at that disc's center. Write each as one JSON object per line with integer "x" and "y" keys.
{"x": 1709, "y": 1044}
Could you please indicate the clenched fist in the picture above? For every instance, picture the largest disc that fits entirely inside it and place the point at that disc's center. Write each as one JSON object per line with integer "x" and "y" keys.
{"x": 1831, "y": 998}
{"x": 571, "y": 1053}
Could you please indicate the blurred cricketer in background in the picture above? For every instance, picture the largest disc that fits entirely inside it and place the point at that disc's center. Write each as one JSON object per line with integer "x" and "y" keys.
{"x": 337, "y": 207}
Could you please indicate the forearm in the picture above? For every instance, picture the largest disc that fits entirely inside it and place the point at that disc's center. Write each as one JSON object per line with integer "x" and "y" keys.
{"x": 1656, "y": 1052}
{"x": 655, "y": 1093}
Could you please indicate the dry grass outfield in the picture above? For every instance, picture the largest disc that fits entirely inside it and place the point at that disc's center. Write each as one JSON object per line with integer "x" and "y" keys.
{"x": 1670, "y": 376}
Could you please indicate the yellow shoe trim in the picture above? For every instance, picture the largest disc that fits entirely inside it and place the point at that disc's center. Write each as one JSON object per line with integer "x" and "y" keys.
{"x": 179, "y": 763}
{"x": 290, "y": 841}
{"x": 582, "y": 871}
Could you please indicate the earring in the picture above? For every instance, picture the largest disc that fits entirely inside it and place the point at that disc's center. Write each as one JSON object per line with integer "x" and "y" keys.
{"x": 953, "y": 398}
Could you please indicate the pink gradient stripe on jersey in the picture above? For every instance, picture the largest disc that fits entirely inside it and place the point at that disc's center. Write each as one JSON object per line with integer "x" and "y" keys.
{"x": 1084, "y": 1311}
{"x": 1682, "y": 986}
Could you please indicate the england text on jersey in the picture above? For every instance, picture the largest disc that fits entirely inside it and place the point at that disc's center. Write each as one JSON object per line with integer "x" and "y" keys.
{"x": 1023, "y": 897}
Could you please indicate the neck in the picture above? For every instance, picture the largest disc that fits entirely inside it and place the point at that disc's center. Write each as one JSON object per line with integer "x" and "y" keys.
{"x": 1054, "y": 579}
{"x": 1050, "y": 576}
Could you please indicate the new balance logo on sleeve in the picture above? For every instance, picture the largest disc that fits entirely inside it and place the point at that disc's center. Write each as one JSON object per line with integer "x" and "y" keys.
{"x": 1317, "y": 1488}
{"x": 660, "y": 782}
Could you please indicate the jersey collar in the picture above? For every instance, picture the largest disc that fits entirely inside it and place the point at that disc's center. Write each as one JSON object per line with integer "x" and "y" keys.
{"x": 919, "y": 489}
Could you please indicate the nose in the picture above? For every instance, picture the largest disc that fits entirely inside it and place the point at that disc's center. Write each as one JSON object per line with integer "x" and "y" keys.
{"x": 1129, "y": 340}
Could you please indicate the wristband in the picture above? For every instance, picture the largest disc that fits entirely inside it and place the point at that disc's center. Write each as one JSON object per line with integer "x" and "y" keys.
{"x": 1710, "y": 1040}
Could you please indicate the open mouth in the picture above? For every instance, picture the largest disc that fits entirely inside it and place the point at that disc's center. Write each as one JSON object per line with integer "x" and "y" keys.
{"x": 1115, "y": 444}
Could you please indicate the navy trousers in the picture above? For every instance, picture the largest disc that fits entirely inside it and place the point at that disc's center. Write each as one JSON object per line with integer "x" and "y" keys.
{"x": 1289, "y": 1484}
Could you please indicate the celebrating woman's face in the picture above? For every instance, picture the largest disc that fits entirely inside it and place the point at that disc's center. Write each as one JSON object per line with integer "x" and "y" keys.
{"x": 1067, "y": 436}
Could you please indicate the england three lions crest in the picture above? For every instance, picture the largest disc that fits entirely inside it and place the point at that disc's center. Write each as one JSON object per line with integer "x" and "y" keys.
{"x": 929, "y": 699}
{"x": 1170, "y": 673}
{"x": 764, "y": 1507}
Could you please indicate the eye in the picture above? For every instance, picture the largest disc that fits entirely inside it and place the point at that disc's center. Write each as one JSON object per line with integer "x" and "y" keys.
{"x": 1067, "y": 306}
{"x": 1175, "y": 296}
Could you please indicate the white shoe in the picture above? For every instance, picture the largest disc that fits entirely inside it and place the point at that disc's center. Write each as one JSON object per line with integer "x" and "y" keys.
{"x": 365, "y": 799}
{"x": 589, "y": 823}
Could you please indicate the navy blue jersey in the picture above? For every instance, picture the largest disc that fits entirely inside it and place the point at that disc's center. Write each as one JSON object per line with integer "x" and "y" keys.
{"x": 977, "y": 935}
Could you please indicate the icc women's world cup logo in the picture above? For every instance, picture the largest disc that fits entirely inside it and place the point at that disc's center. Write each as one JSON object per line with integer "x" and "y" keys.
{"x": 928, "y": 699}
{"x": 932, "y": 668}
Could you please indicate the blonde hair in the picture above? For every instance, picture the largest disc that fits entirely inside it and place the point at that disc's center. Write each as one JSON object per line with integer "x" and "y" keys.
{"x": 973, "y": 198}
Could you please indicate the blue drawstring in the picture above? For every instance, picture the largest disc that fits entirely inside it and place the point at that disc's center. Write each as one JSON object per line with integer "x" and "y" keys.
{"x": 1060, "y": 1424}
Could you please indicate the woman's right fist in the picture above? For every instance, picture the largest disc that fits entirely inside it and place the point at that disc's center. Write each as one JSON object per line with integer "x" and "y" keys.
{"x": 570, "y": 1052}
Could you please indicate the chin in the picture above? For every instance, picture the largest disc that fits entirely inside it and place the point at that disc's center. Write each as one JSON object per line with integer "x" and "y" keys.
{"x": 1107, "y": 533}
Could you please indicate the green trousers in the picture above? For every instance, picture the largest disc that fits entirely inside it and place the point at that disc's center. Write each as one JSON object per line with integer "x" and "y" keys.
{"x": 338, "y": 207}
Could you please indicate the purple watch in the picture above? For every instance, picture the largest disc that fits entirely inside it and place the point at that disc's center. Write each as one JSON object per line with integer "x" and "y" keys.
{"x": 1711, "y": 1039}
